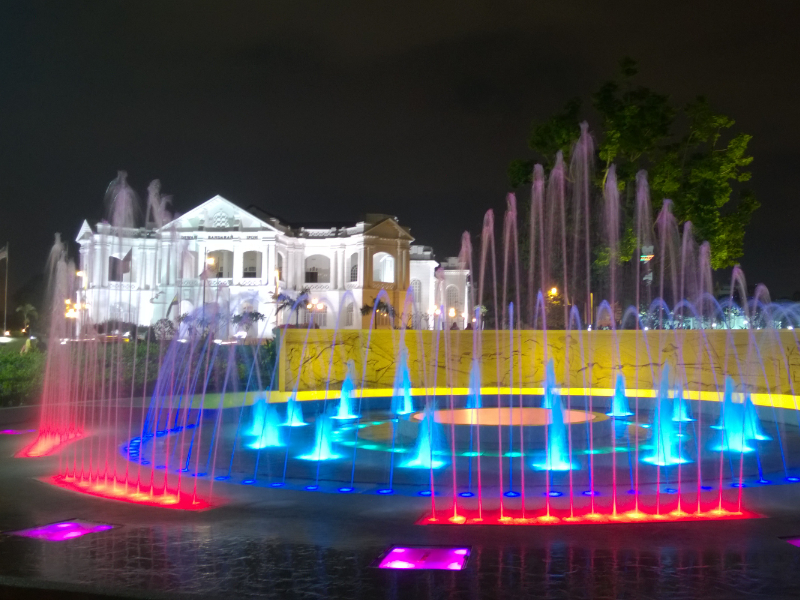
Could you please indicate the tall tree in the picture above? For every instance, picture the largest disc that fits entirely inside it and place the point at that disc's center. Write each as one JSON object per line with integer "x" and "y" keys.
{"x": 691, "y": 154}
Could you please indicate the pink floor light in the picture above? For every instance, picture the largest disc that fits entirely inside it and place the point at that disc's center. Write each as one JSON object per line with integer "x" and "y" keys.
{"x": 65, "y": 530}
{"x": 425, "y": 557}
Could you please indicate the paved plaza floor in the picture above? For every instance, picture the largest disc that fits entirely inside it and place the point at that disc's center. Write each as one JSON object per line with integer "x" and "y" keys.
{"x": 277, "y": 543}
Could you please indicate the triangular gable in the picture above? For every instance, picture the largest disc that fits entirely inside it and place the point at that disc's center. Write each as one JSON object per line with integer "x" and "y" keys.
{"x": 218, "y": 213}
{"x": 84, "y": 232}
{"x": 389, "y": 229}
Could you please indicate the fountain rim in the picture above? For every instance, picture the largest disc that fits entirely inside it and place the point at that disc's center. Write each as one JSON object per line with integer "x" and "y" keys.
{"x": 788, "y": 401}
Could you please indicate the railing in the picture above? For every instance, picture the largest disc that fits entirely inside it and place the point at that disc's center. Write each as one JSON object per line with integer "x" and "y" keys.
{"x": 123, "y": 285}
{"x": 251, "y": 282}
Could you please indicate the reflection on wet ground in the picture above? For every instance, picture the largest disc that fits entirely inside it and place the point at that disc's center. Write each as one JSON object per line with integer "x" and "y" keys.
{"x": 193, "y": 560}
{"x": 283, "y": 544}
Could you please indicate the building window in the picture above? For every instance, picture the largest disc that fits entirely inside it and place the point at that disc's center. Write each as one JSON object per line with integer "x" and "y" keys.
{"x": 220, "y": 264}
{"x": 117, "y": 267}
{"x": 251, "y": 265}
{"x": 452, "y": 297}
{"x": 416, "y": 303}
{"x": 317, "y": 316}
{"x": 416, "y": 291}
{"x": 451, "y": 304}
{"x": 279, "y": 266}
{"x": 349, "y": 314}
{"x": 354, "y": 267}
{"x": 383, "y": 268}
{"x": 318, "y": 269}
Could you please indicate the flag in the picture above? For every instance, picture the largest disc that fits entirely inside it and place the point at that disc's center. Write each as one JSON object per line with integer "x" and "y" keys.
{"x": 171, "y": 304}
{"x": 4, "y": 252}
{"x": 126, "y": 261}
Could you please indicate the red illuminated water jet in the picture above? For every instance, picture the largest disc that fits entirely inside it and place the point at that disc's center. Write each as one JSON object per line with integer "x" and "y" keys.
{"x": 48, "y": 443}
{"x": 129, "y": 492}
{"x": 556, "y": 517}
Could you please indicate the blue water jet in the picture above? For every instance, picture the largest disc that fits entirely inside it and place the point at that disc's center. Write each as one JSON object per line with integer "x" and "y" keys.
{"x": 474, "y": 397}
{"x": 752, "y": 424}
{"x": 681, "y": 413}
{"x": 402, "y": 403}
{"x": 294, "y": 413}
{"x": 619, "y": 403}
{"x": 665, "y": 440}
{"x": 345, "y": 410}
{"x": 557, "y": 453}
{"x": 430, "y": 442}
{"x": 732, "y": 423}
{"x": 265, "y": 426}
{"x": 323, "y": 441}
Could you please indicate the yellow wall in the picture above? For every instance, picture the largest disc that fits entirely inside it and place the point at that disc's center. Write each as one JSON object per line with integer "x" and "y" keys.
{"x": 582, "y": 359}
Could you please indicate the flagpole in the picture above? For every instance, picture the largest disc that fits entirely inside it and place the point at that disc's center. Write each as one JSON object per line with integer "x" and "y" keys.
{"x": 5, "y": 295}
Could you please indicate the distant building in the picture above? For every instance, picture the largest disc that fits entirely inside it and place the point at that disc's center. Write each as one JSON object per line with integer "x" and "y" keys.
{"x": 224, "y": 258}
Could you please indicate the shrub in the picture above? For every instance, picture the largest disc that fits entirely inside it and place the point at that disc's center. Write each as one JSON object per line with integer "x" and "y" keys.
{"x": 21, "y": 376}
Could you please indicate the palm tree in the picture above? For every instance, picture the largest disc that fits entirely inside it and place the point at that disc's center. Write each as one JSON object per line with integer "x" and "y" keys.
{"x": 284, "y": 301}
{"x": 28, "y": 312}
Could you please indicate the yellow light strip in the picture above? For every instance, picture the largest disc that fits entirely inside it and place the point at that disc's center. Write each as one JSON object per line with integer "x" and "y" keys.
{"x": 233, "y": 400}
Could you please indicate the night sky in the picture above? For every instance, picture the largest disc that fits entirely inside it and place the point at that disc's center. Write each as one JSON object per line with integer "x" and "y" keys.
{"x": 327, "y": 110}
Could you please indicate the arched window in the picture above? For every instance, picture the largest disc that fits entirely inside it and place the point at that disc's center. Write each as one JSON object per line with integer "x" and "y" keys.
{"x": 354, "y": 267}
{"x": 220, "y": 264}
{"x": 452, "y": 297}
{"x": 349, "y": 314}
{"x": 416, "y": 291}
{"x": 452, "y": 305}
{"x": 279, "y": 266}
{"x": 383, "y": 268}
{"x": 318, "y": 269}
{"x": 251, "y": 264}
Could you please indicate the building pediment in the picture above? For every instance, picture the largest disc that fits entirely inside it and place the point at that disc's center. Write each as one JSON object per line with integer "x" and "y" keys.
{"x": 218, "y": 214}
{"x": 389, "y": 229}
{"x": 85, "y": 232}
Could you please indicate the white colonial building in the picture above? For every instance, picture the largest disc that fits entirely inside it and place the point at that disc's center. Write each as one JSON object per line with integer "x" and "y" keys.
{"x": 221, "y": 257}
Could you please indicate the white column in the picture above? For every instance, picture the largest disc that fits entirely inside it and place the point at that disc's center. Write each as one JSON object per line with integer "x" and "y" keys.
{"x": 238, "y": 261}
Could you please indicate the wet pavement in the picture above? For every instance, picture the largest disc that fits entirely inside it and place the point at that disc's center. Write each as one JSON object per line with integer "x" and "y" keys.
{"x": 285, "y": 544}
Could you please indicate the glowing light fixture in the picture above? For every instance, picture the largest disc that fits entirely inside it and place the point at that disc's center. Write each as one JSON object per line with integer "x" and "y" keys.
{"x": 424, "y": 557}
{"x": 60, "y": 532}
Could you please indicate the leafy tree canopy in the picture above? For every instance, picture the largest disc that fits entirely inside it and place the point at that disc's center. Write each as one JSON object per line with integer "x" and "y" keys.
{"x": 692, "y": 153}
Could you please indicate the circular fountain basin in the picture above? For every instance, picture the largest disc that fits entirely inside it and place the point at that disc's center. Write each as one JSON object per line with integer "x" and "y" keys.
{"x": 527, "y": 416}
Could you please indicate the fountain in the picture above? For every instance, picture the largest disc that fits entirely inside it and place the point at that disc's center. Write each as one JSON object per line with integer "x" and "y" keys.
{"x": 494, "y": 443}
{"x": 619, "y": 402}
{"x": 428, "y": 446}
{"x": 733, "y": 423}
{"x": 665, "y": 440}
{"x": 474, "y": 397}
{"x": 557, "y": 457}
{"x": 265, "y": 426}
{"x": 294, "y": 412}
{"x": 681, "y": 413}
{"x": 402, "y": 403}
{"x": 752, "y": 424}
{"x": 345, "y": 409}
{"x": 323, "y": 446}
